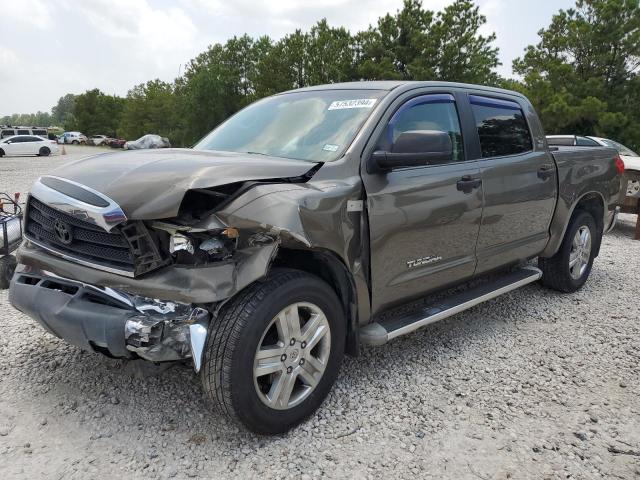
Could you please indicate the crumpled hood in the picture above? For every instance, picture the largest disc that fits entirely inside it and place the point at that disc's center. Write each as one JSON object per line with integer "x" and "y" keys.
{"x": 150, "y": 184}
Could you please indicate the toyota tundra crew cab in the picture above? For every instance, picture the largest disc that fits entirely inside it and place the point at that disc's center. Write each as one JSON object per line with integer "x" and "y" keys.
{"x": 307, "y": 224}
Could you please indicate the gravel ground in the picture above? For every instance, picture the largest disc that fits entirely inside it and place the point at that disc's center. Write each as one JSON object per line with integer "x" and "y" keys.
{"x": 534, "y": 384}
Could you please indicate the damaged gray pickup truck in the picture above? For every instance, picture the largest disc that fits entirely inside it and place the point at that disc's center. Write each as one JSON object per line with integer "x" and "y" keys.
{"x": 291, "y": 234}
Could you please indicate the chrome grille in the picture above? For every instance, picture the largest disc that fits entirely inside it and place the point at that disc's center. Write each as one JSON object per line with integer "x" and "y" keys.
{"x": 89, "y": 243}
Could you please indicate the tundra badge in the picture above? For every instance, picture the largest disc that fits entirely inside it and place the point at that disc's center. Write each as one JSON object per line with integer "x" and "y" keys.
{"x": 422, "y": 261}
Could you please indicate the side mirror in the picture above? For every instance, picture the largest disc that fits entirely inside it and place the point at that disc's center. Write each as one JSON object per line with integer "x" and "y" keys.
{"x": 415, "y": 148}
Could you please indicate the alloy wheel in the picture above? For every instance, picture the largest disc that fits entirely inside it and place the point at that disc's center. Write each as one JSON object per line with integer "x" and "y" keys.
{"x": 292, "y": 356}
{"x": 580, "y": 252}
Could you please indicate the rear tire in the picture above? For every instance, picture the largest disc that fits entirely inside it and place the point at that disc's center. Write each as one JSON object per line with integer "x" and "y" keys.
{"x": 7, "y": 267}
{"x": 568, "y": 270}
{"x": 44, "y": 152}
{"x": 261, "y": 372}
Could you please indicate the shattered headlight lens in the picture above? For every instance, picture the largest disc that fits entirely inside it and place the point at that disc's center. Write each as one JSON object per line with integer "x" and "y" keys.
{"x": 178, "y": 242}
{"x": 197, "y": 247}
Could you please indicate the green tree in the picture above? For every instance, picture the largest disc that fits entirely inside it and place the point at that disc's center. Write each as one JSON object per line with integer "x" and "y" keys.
{"x": 150, "y": 108}
{"x": 97, "y": 113}
{"x": 208, "y": 93}
{"x": 330, "y": 55}
{"x": 583, "y": 74}
{"x": 39, "y": 119}
{"x": 418, "y": 44}
{"x": 62, "y": 112}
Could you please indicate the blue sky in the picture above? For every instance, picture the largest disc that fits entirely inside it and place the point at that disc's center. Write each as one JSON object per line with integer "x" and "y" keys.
{"x": 48, "y": 49}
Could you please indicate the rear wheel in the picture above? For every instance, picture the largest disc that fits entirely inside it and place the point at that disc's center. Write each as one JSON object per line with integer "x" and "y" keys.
{"x": 274, "y": 351}
{"x": 570, "y": 267}
{"x": 44, "y": 152}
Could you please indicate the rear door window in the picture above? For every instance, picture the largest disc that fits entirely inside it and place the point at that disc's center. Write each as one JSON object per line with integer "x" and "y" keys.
{"x": 502, "y": 127}
{"x": 23, "y": 132}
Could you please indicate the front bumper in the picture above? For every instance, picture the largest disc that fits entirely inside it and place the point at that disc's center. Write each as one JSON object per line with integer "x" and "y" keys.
{"x": 200, "y": 285}
{"x": 109, "y": 321}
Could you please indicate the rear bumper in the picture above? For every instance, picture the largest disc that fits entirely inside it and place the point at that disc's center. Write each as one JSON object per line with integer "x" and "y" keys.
{"x": 108, "y": 321}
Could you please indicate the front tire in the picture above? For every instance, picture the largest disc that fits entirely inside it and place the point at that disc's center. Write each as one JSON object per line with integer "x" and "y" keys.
{"x": 1, "y": 153}
{"x": 75, "y": 142}
{"x": 44, "y": 152}
{"x": 274, "y": 351}
{"x": 568, "y": 270}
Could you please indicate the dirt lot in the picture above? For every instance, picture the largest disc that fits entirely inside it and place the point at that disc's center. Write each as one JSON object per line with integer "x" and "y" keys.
{"x": 531, "y": 385}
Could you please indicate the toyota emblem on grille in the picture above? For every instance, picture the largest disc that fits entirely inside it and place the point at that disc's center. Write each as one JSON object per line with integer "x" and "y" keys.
{"x": 63, "y": 232}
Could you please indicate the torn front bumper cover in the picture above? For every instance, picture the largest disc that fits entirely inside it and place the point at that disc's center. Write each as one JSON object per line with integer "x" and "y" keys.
{"x": 108, "y": 321}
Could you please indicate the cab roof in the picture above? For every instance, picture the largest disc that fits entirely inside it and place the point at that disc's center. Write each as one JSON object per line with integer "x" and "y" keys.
{"x": 389, "y": 85}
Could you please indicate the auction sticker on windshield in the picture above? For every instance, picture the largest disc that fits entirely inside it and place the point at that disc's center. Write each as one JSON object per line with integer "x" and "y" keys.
{"x": 329, "y": 147}
{"x": 355, "y": 103}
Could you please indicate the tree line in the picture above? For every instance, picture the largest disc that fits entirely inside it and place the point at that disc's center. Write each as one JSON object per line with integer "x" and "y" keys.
{"x": 582, "y": 76}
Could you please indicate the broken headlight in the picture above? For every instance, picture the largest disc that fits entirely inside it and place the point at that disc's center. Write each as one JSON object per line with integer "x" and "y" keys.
{"x": 201, "y": 247}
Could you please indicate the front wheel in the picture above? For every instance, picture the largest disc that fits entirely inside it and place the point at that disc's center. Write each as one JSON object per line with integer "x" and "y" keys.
{"x": 75, "y": 142}
{"x": 570, "y": 267}
{"x": 274, "y": 351}
{"x": 44, "y": 152}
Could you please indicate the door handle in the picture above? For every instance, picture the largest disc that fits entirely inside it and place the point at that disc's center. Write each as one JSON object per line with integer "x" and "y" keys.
{"x": 545, "y": 171}
{"x": 467, "y": 184}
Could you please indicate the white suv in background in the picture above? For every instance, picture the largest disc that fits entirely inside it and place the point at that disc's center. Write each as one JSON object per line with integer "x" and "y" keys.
{"x": 11, "y": 131}
{"x": 74, "y": 138}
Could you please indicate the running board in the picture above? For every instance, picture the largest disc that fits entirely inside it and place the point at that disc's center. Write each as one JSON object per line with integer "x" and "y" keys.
{"x": 378, "y": 333}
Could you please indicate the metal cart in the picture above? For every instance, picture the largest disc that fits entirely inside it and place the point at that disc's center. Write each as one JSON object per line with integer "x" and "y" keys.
{"x": 10, "y": 235}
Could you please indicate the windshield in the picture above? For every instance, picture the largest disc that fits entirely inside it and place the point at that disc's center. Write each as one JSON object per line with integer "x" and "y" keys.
{"x": 313, "y": 126}
{"x": 622, "y": 150}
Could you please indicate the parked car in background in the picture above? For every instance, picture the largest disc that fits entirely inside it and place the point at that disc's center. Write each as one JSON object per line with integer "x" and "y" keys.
{"x": 97, "y": 140}
{"x": 571, "y": 141}
{"x": 27, "y": 145}
{"x": 148, "y": 141}
{"x": 74, "y": 138}
{"x": 630, "y": 158}
{"x": 115, "y": 142}
{"x": 12, "y": 131}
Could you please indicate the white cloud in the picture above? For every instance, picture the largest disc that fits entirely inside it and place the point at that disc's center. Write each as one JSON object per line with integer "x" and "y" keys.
{"x": 53, "y": 47}
{"x": 148, "y": 28}
{"x": 32, "y": 13}
{"x": 8, "y": 58}
{"x": 8, "y": 63}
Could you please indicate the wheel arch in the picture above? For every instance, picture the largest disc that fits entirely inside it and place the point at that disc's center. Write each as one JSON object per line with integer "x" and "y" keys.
{"x": 327, "y": 266}
{"x": 592, "y": 202}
